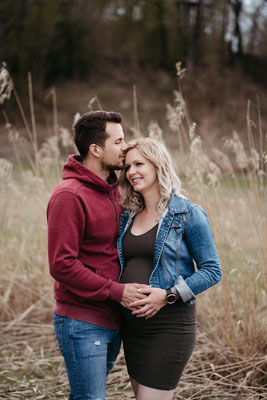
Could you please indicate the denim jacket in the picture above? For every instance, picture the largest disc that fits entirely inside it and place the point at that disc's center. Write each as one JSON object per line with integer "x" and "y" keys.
{"x": 183, "y": 236}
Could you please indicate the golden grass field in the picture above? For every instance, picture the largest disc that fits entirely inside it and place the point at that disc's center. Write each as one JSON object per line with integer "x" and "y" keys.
{"x": 229, "y": 361}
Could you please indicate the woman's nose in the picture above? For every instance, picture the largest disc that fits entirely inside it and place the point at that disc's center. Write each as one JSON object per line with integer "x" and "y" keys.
{"x": 131, "y": 171}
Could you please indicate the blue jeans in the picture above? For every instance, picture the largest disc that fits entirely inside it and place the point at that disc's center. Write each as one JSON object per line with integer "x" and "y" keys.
{"x": 89, "y": 352}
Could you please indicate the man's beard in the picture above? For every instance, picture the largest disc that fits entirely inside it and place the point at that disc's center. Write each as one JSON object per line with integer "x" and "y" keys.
{"x": 109, "y": 167}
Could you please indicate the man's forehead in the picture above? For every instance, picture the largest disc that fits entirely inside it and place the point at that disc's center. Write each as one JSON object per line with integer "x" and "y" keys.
{"x": 114, "y": 129}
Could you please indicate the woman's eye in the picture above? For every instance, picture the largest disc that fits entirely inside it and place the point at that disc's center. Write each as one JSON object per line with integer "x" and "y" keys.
{"x": 139, "y": 163}
{"x": 127, "y": 168}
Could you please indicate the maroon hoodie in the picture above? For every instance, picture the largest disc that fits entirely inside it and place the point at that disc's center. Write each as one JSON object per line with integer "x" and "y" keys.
{"x": 83, "y": 224}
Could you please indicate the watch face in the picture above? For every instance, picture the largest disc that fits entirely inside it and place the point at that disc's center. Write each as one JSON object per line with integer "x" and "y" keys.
{"x": 171, "y": 298}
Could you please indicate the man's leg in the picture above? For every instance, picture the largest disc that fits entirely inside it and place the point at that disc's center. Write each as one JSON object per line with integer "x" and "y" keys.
{"x": 84, "y": 347}
{"x": 113, "y": 350}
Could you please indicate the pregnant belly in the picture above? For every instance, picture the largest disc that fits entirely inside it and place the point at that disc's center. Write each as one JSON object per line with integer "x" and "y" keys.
{"x": 137, "y": 270}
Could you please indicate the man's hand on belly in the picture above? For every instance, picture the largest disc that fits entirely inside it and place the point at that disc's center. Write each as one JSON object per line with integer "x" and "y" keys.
{"x": 154, "y": 300}
{"x": 131, "y": 295}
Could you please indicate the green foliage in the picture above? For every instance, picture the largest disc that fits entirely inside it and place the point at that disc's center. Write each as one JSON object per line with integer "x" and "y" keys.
{"x": 48, "y": 38}
{"x": 68, "y": 39}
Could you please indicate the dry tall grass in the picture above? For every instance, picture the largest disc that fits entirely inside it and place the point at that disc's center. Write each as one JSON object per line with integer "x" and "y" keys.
{"x": 229, "y": 361}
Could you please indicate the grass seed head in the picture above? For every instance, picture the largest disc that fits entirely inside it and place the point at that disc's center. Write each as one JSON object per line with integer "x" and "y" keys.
{"x": 5, "y": 170}
{"x": 180, "y": 72}
{"x": 155, "y": 132}
{"x": 236, "y": 146}
{"x": 66, "y": 137}
{"x": 6, "y": 84}
{"x": 222, "y": 160}
{"x": 254, "y": 160}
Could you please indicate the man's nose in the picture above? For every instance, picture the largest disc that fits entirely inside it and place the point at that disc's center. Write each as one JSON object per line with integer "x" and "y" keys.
{"x": 124, "y": 145}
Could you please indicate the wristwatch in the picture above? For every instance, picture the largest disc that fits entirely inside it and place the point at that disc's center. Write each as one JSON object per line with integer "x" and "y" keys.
{"x": 170, "y": 296}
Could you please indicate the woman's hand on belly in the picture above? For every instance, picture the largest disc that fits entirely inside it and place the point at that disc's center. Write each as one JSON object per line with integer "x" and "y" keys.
{"x": 149, "y": 306}
{"x": 131, "y": 294}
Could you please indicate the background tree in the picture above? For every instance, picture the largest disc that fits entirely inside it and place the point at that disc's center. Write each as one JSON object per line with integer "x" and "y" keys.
{"x": 71, "y": 39}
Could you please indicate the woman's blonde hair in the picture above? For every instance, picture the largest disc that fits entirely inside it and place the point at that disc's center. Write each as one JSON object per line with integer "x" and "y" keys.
{"x": 156, "y": 153}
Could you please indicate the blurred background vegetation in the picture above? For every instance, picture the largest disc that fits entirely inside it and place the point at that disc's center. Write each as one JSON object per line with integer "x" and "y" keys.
{"x": 86, "y": 48}
{"x": 69, "y": 56}
{"x": 74, "y": 39}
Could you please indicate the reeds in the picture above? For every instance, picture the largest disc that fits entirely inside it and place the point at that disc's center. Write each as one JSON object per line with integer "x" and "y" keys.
{"x": 229, "y": 361}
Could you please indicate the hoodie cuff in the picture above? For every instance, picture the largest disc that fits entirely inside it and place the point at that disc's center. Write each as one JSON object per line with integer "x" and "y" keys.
{"x": 116, "y": 291}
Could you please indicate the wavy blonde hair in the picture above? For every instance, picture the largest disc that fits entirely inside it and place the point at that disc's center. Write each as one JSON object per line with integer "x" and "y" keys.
{"x": 156, "y": 153}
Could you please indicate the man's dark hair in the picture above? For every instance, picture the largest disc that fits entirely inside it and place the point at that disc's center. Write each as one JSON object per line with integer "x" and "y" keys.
{"x": 91, "y": 129}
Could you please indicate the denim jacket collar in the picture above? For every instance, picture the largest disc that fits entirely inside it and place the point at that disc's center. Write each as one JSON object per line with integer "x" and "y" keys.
{"x": 177, "y": 204}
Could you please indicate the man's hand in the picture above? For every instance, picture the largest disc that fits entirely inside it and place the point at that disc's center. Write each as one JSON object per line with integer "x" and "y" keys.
{"x": 131, "y": 295}
{"x": 154, "y": 300}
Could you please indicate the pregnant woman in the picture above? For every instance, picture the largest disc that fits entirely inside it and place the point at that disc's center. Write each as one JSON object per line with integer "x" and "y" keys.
{"x": 162, "y": 234}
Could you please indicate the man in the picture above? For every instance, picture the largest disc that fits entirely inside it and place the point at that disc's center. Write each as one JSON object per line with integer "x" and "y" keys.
{"x": 83, "y": 223}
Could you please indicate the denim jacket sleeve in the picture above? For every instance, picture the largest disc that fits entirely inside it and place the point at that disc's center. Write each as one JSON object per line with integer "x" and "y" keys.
{"x": 201, "y": 245}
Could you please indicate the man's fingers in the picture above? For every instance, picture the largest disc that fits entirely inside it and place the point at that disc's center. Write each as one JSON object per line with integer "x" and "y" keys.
{"x": 141, "y": 296}
{"x": 141, "y": 286}
{"x": 145, "y": 290}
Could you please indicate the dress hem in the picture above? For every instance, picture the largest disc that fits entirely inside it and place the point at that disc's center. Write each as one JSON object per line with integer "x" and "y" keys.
{"x": 153, "y": 386}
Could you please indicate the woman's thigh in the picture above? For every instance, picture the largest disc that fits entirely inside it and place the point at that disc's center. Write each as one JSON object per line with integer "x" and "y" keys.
{"x": 147, "y": 393}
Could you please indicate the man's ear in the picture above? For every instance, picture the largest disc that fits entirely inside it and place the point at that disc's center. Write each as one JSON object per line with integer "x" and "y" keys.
{"x": 95, "y": 150}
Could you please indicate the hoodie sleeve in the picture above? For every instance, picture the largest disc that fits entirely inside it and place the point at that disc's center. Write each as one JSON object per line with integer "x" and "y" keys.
{"x": 66, "y": 223}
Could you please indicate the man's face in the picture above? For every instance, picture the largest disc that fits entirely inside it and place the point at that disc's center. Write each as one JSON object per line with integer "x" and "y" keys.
{"x": 112, "y": 155}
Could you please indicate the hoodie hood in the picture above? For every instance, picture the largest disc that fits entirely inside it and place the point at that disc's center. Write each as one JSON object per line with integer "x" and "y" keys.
{"x": 74, "y": 169}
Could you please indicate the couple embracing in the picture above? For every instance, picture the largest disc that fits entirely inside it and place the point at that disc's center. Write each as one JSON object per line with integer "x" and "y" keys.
{"x": 122, "y": 255}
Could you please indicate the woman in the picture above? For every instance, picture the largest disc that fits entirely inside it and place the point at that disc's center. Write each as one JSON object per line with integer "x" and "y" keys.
{"x": 161, "y": 235}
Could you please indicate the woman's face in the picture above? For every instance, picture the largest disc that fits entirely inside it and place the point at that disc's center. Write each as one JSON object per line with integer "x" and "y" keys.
{"x": 140, "y": 172}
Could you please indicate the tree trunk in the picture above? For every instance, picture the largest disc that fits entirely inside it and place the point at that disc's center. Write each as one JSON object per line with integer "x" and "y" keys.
{"x": 197, "y": 36}
{"x": 162, "y": 35}
{"x": 223, "y": 30}
{"x": 237, "y": 9}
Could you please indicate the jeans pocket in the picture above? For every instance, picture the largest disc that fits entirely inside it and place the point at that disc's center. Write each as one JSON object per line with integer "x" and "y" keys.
{"x": 58, "y": 322}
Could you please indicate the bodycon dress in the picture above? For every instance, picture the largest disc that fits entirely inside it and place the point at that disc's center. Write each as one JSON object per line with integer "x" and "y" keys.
{"x": 156, "y": 349}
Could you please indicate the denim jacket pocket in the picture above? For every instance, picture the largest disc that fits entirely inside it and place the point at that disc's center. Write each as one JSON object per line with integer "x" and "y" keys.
{"x": 174, "y": 231}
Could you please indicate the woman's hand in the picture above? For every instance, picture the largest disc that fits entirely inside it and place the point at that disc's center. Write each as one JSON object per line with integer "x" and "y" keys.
{"x": 131, "y": 294}
{"x": 154, "y": 301}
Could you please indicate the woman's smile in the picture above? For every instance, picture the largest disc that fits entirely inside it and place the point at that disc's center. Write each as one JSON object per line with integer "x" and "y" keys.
{"x": 140, "y": 172}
